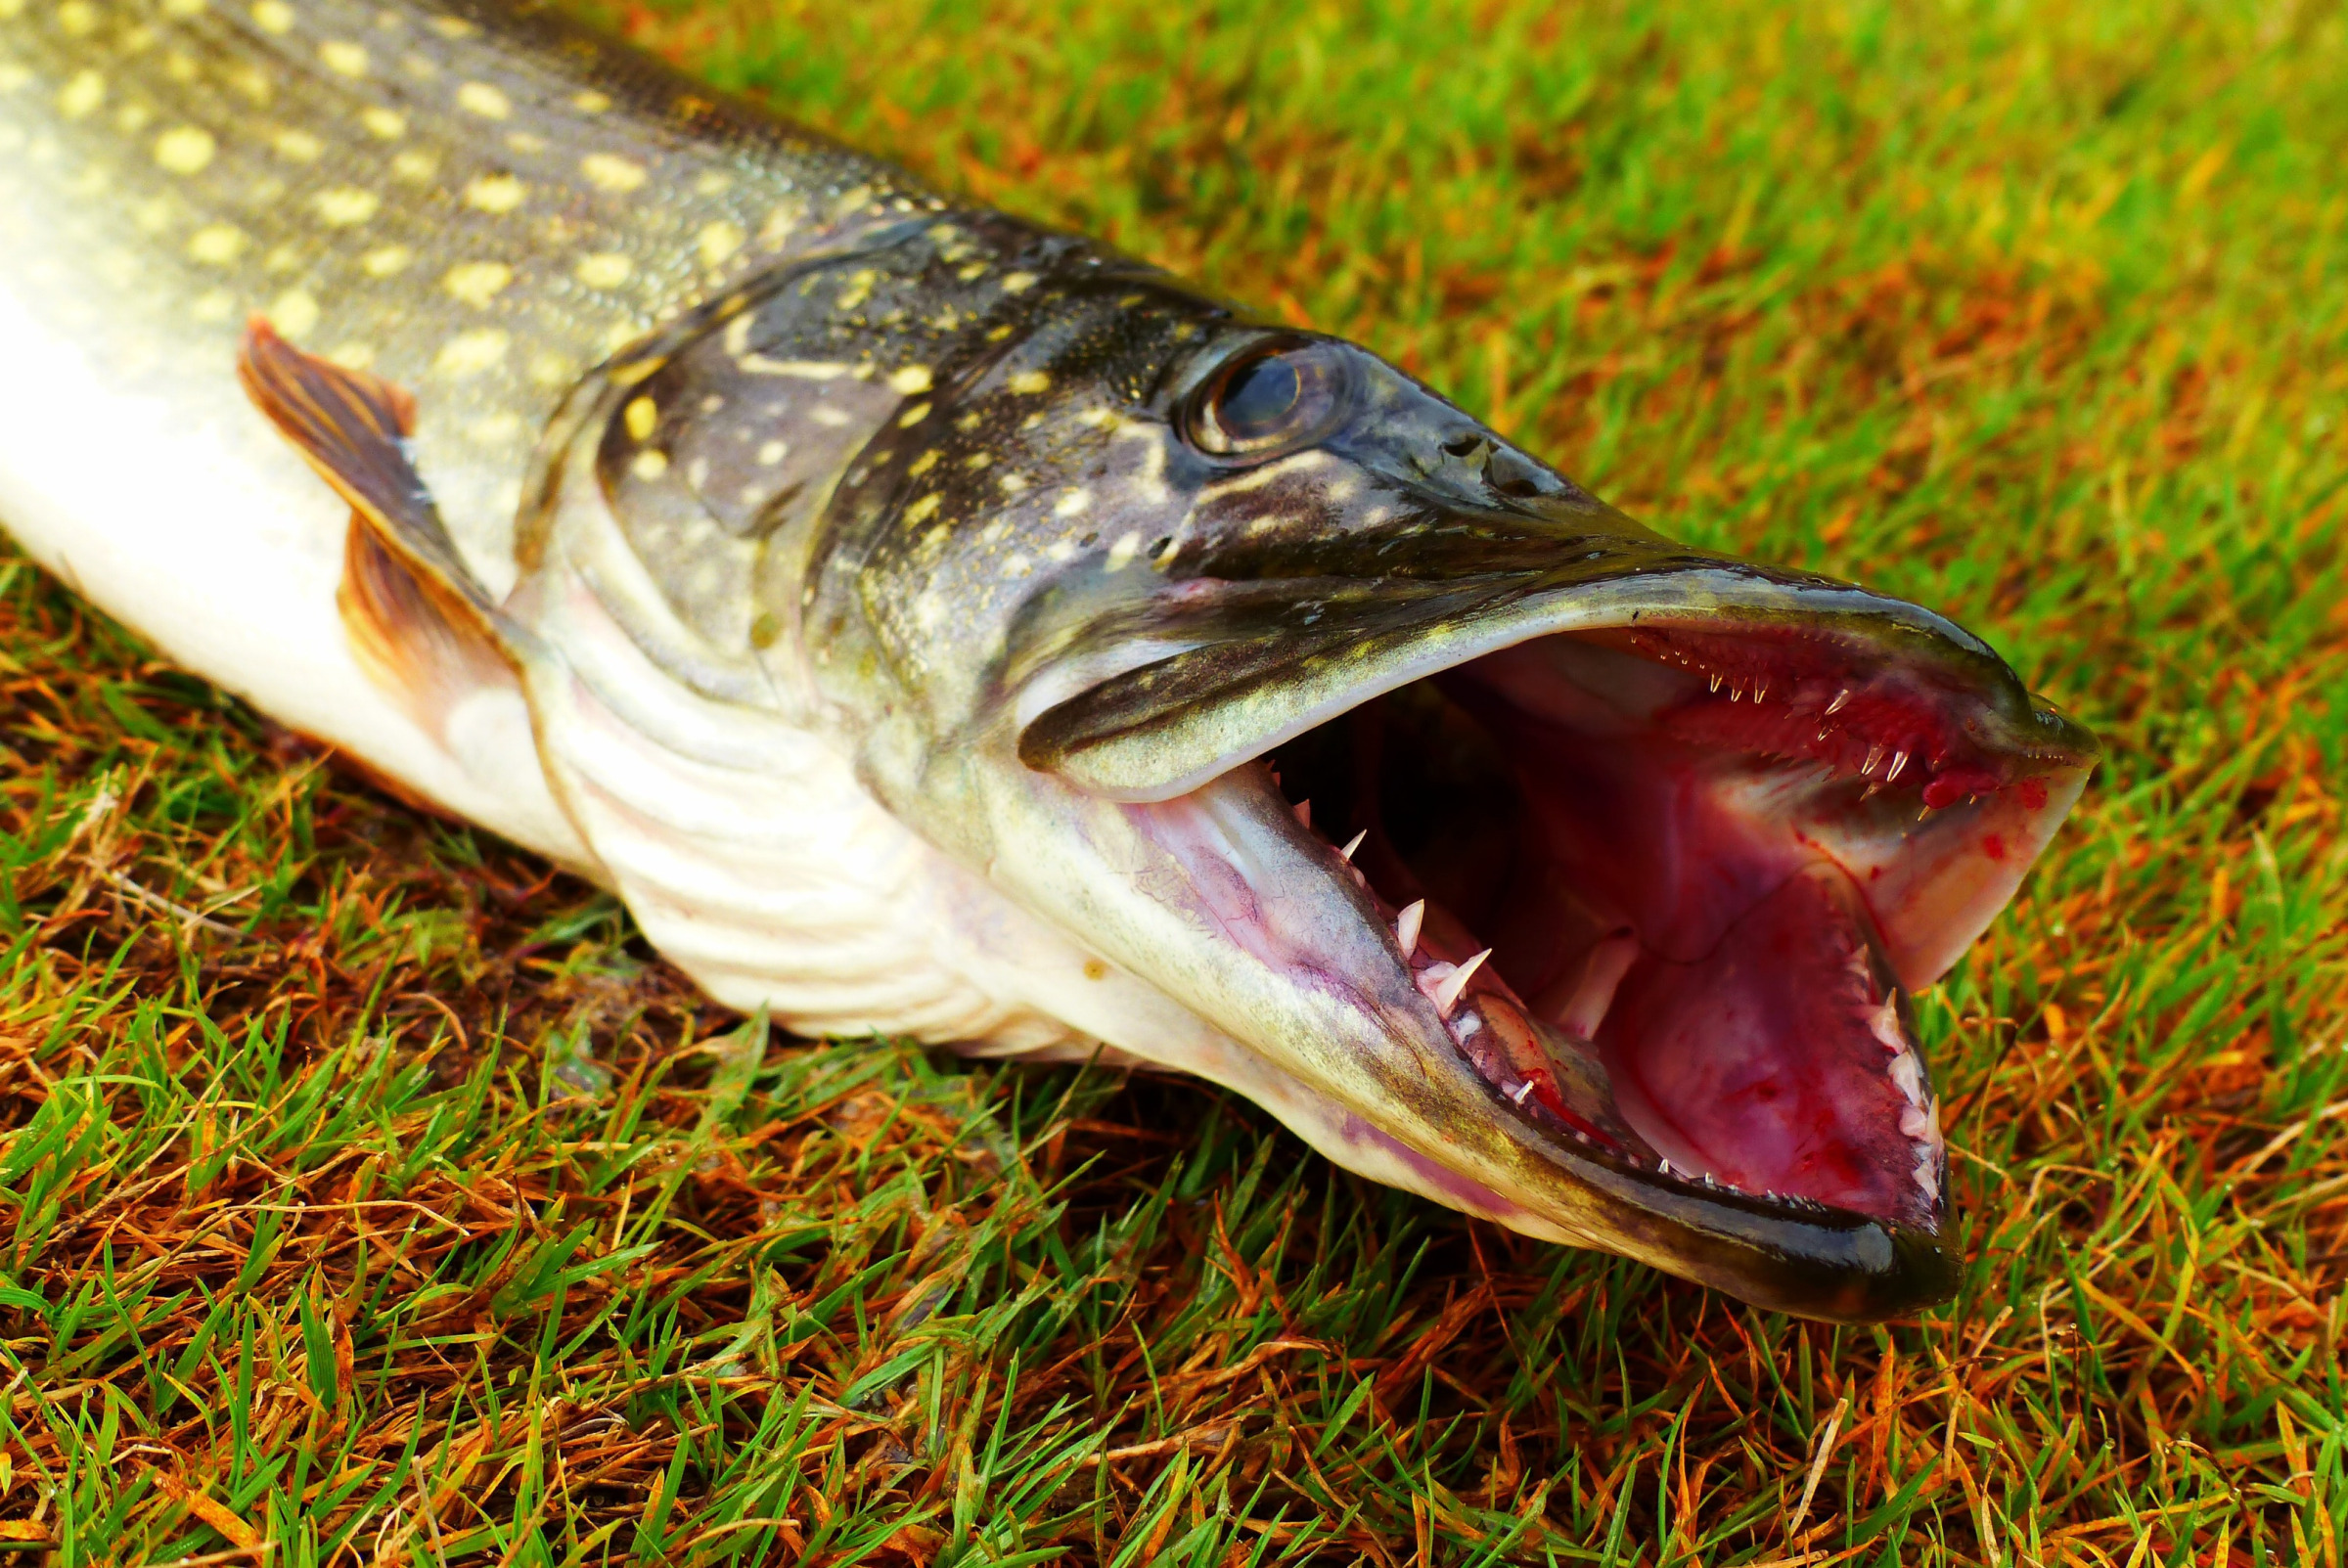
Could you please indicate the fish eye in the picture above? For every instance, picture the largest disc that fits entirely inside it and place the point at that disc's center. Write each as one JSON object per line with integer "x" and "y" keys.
{"x": 1268, "y": 398}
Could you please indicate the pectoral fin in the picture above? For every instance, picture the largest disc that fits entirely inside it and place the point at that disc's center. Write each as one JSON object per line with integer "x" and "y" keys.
{"x": 420, "y": 626}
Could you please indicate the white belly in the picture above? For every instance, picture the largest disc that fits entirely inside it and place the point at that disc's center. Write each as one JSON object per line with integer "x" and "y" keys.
{"x": 195, "y": 527}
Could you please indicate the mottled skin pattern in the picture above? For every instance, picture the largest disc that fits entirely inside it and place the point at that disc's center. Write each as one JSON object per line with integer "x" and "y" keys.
{"x": 891, "y": 639}
{"x": 478, "y": 203}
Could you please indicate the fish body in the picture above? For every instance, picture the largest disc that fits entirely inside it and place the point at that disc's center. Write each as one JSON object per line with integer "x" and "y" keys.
{"x": 931, "y": 624}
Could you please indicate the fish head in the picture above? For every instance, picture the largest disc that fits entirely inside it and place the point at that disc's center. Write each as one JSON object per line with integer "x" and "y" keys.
{"x": 1587, "y": 873}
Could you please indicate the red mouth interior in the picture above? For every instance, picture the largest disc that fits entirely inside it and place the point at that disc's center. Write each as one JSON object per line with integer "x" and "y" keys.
{"x": 1677, "y": 970}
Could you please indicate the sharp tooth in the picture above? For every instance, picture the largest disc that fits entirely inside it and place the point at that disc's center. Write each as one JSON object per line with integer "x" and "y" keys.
{"x": 1875, "y": 754}
{"x": 1304, "y": 813}
{"x": 1664, "y": 1166}
{"x": 1899, "y": 765}
{"x": 1716, "y": 683}
{"x": 1602, "y": 975}
{"x": 1841, "y": 697}
{"x": 1760, "y": 689}
{"x": 1909, "y": 1075}
{"x": 1405, "y": 927}
{"x": 1519, "y": 1092}
{"x": 1868, "y": 794}
{"x": 1446, "y": 994}
{"x": 1352, "y": 844}
{"x": 1735, "y": 692}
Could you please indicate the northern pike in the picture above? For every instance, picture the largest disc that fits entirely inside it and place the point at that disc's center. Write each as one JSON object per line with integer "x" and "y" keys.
{"x": 933, "y": 625}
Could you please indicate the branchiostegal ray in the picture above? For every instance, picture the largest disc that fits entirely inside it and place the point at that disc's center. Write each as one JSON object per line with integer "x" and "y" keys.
{"x": 934, "y": 625}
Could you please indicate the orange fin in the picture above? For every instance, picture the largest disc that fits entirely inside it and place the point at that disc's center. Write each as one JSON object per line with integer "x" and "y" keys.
{"x": 420, "y": 626}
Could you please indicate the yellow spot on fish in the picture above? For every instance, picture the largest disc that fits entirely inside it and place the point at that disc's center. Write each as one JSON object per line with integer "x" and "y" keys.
{"x": 183, "y": 149}
{"x": 972, "y": 273}
{"x": 472, "y": 353}
{"x": 299, "y": 146}
{"x": 773, "y": 452}
{"x": 913, "y": 415}
{"x": 495, "y": 192}
{"x": 1121, "y": 553}
{"x": 1073, "y": 504}
{"x": 859, "y": 289}
{"x": 389, "y": 259}
{"x": 528, "y": 145}
{"x": 383, "y": 124}
{"x": 183, "y": 8}
{"x": 977, "y": 460}
{"x": 346, "y": 205}
{"x": 611, "y": 173}
{"x": 479, "y": 98}
{"x": 78, "y": 17}
{"x": 712, "y": 182}
{"x": 1029, "y": 381}
{"x": 251, "y": 81}
{"x": 153, "y": 216}
{"x": 550, "y": 370}
{"x": 924, "y": 508}
{"x": 922, "y": 464}
{"x": 590, "y": 102}
{"x": 1018, "y": 283}
{"x": 476, "y": 283}
{"x": 718, "y": 242}
{"x": 285, "y": 258}
{"x": 216, "y": 245}
{"x": 343, "y": 59}
{"x": 416, "y": 164}
{"x": 274, "y": 16}
{"x": 213, "y": 306}
{"x": 606, "y": 269}
{"x": 1012, "y": 484}
{"x": 649, "y": 464}
{"x": 294, "y": 313}
{"x": 82, "y": 95}
{"x": 352, "y": 355}
{"x": 453, "y": 27}
{"x": 644, "y": 417}
{"x": 910, "y": 380}
{"x": 134, "y": 118}
{"x": 781, "y": 223}
{"x": 491, "y": 428}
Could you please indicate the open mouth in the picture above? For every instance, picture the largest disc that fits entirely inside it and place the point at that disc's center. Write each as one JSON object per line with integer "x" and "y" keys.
{"x": 1665, "y": 886}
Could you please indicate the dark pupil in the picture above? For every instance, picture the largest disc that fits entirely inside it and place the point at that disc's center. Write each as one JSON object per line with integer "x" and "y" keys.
{"x": 1258, "y": 398}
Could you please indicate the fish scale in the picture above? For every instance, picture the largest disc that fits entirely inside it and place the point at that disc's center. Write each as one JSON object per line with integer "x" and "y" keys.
{"x": 478, "y": 203}
{"x": 912, "y": 613}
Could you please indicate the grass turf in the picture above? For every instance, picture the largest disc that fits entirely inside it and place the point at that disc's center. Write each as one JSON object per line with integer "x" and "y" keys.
{"x": 371, "y": 1193}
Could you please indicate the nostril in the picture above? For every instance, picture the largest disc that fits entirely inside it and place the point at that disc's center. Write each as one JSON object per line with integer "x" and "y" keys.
{"x": 1513, "y": 474}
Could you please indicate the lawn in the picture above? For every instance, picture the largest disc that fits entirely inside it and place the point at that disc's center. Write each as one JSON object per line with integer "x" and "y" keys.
{"x": 373, "y": 1194}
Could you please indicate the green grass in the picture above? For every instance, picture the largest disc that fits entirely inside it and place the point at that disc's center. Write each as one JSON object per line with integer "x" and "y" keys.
{"x": 372, "y": 1194}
